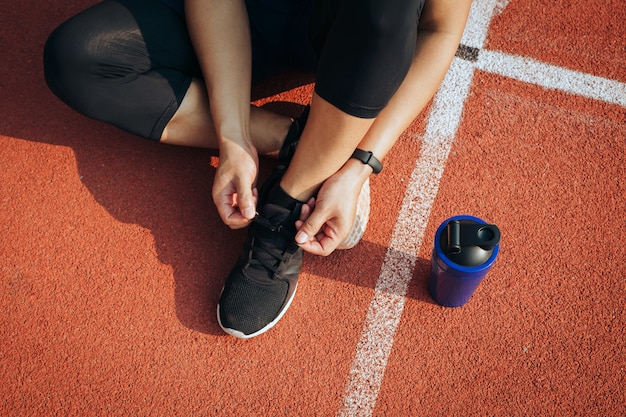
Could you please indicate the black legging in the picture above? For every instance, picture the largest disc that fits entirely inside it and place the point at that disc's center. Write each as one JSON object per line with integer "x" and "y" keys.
{"x": 130, "y": 62}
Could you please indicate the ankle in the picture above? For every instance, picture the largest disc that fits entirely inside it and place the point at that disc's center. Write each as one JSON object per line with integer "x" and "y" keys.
{"x": 269, "y": 131}
{"x": 297, "y": 190}
{"x": 278, "y": 196}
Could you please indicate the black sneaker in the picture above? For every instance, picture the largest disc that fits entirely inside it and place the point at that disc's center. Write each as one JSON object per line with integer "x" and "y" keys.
{"x": 261, "y": 286}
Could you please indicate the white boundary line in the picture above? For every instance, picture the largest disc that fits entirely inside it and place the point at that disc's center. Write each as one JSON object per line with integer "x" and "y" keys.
{"x": 385, "y": 310}
{"x": 552, "y": 77}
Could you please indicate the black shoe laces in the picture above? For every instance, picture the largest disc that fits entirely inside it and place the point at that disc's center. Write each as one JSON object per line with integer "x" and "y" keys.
{"x": 268, "y": 254}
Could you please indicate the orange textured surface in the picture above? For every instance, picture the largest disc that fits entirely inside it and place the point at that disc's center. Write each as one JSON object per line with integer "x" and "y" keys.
{"x": 112, "y": 256}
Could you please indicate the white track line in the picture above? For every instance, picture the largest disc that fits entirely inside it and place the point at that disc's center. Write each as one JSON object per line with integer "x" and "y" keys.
{"x": 478, "y": 22}
{"x": 552, "y": 77}
{"x": 385, "y": 310}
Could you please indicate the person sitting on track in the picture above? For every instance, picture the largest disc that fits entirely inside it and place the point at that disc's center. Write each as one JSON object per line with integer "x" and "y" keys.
{"x": 182, "y": 73}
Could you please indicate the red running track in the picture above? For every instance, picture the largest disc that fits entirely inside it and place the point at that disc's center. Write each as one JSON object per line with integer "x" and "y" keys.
{"x": 112, "y": 255}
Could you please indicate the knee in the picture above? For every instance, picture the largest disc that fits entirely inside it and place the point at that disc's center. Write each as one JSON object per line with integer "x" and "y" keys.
{"x": 59, "y": 61}
{"x": 388, "y": 32}
{"x": 387, "y": 22}
{"x": 66, "y": 60}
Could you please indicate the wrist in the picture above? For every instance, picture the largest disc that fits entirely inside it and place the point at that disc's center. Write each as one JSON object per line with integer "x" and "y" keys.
{"x": 233, "y": 133}
{"x": 231, "y": 146}
{"x": 357, "y": 170}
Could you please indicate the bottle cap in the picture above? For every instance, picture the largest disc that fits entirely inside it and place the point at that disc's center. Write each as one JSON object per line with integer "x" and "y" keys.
{"x": 468, "y": 243}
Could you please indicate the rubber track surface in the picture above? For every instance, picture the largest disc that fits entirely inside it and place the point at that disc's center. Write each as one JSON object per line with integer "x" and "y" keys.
{"x": 112, "y": 256}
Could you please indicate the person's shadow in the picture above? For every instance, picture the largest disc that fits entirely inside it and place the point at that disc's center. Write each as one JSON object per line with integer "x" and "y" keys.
{"x": 165, "y": 189}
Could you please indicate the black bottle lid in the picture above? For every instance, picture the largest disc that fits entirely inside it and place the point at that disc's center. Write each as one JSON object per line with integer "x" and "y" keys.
{"x": 468, "y": 243}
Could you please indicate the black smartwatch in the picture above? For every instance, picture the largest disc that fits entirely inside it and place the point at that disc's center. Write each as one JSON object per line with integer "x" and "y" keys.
{"x": 368, "y": 158}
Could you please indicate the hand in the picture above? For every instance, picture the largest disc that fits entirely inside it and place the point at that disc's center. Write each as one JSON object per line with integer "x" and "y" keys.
{"x": 325, "y": 221}
{"x": 234, "y": 188}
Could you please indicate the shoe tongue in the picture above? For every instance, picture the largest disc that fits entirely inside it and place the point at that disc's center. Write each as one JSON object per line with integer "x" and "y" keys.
{"x": 284, "y": 222}
{"x": 277, "y": 241}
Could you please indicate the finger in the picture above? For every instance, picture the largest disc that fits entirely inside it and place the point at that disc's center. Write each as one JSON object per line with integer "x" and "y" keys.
{"x": 229, "y": 211}
{"x": 311, "y": 226}
{"x": 306, "y": 210}
{"x": 304, "y": 213}
{"x": 224, "y": 203}
{"x": 246, "y": 200}
{"x": 321, "y": 245}
{"x": 232, "y": 217}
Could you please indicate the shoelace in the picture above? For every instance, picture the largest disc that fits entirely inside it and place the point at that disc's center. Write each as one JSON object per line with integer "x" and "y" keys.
{"x": 265, "y": 262}
{"x": 260, "y": 220}
{"x": 270, "y": 250}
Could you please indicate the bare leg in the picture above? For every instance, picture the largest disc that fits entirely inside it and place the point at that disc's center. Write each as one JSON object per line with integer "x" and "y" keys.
{"x": 192, "y": 124}
{"x": 329, "y": 138}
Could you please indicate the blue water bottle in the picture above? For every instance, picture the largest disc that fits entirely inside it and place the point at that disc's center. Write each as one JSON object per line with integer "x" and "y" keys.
{"x": 465, "y": 249}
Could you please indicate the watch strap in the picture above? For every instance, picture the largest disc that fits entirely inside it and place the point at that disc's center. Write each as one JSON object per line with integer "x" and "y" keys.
{"x": 368, "y": 158}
